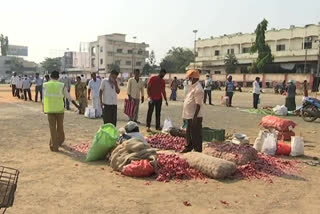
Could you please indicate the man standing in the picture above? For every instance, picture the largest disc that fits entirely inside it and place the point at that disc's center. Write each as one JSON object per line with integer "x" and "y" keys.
{"x": 53, "y": 105}
{"x": 291, "y": 96}
{"x": 46, "y": 78}
{"x": 39, "y": 83}
{"x": 19, "y": 87}
{"x": 174, "y": 88}
{"x": 81, "y": 95}
{"x": 305, "y": 88}
{"x": 67, "y": 83}
{"x": 207, "y": 89}
{"x": 256, "y": 92}
{"x": 192, "y": 112}
{"x": 109, "y": 91}
{"x": 13, "y": 83}
{"x": 229, "y": 90}
{"x": 156, "y": 90}
{"x": 135, "y": 90}
{"x": 26, "y": 85}
{"x": 94, "y": 89}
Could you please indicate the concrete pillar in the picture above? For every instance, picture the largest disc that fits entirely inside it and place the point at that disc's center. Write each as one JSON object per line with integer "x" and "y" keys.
{"x": 244, "y": 80}
{"x": 311, "y": 79}
{"x": 263, "y": 80}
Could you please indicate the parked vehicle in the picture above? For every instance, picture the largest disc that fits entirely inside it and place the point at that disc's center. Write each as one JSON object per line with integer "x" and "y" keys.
{"x": 310, "y": 109}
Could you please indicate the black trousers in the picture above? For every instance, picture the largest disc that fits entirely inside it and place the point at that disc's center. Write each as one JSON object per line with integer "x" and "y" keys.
{"x": 230, "y": 95}
{"x": 194, "y": 135}
{"x": 110, "y": 114}
{"x": 25, "y": 92}
{"x": 207, "y": 93}
{"x": 13, "y": 88}
{"x": 38, "y": 90}
{"x": 255, "y": 100}
{"x": 18, "y": 91}
{"x": 154, "y": 104}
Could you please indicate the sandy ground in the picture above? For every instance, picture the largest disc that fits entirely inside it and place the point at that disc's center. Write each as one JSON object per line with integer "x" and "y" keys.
{"x": 63, "y": 183}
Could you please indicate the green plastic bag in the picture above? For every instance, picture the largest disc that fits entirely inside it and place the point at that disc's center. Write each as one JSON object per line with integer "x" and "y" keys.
{"x": 103, "y": 142}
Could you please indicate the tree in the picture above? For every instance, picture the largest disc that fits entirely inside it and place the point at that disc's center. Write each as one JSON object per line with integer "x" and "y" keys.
{"x": 51, "y": 64}
{"x": 15, "y": 64}
{"x": 150, "y": 66}
{"x": 260, "y": 46}
{"x": 115, "y": 67}
{"x": 177, "y": 59}
{"x": 4, "y": 43}
{"x": 152, "y": 59}
{"x": 231, "y": 63}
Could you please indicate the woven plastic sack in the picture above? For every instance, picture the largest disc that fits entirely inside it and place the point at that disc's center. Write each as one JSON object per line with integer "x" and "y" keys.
{"x": 277, "y": 123}
{"x": 103, "y": 142}
{"x": 269, "y": 146}
{"x": 297, "y": 146}
{"x": 141, "y": 168}
{"x": 283, "y": 149}
{"x": 285, "y": 135}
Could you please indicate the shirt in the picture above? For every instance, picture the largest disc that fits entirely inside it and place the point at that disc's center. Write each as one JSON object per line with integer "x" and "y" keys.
{"x": 174, "y": 84}
{"x": 193, "y": 98}
{"x": 208, "y": 84}
{"x": 19, "y": 83}
{"x": 81, "y": 90}
{"x": 230, "y": 86}
{"x": 95, "y": 87}
{"x": 135, "y": 89}
{"x": 157, "y": 88}
{"x": 256, "y": 87}
{"x": 83, "y": 79}
{"x": 14, "y": 80}
{"x": 26, "y": 84}
{"x": 66, "y": 81}
{"x": 39, "y": 81}
{"x": 109, "y": 96}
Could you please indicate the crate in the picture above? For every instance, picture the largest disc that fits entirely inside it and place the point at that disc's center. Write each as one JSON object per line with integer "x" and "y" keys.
{"x": 8, "y": 186}
{"x": 209, "y": 134}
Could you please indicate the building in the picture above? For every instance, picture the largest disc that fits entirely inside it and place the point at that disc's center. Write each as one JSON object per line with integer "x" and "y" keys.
{"x": 17, "y": 50}
{"x": 291, "y": 48}
{"x": 75, "y": 63}
{"x": 9, "y": 64}
{"x": 112, "y": 49}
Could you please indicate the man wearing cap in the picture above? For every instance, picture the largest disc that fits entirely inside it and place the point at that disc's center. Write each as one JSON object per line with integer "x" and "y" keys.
{"x": 192, "y": 112}
{"x": 13, "y": 83}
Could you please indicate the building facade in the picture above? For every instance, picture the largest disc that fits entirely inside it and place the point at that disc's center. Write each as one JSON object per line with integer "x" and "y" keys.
{"x": 113, "y": 49}
{"x": 291, "y": 48}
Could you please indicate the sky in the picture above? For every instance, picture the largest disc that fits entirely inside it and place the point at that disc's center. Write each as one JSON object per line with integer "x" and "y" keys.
{"x": 48, "y": 27}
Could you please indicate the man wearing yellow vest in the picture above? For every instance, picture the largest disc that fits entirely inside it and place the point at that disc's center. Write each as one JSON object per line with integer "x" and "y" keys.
{"x": 54, "y": 92}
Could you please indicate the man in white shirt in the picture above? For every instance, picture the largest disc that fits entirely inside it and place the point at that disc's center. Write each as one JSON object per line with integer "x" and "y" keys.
{"x": 207, "y": 89}
{"x": 67, "y": 83}
{"x": 19, "y": 87}
{"x": 94, "y": 90}
{"x": 256, "y": 92}
{"x": 26, "y": 85}
{"x": 38, "y": 89}
{"x": 135, "y": 90}
{"x": 13, "y": 83}
{"x": 109, "y": 91}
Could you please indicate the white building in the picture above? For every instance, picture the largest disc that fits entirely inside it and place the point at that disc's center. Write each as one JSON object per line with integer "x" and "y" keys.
{"x": 113, "y": 49}
{"x": 290, "y": 48}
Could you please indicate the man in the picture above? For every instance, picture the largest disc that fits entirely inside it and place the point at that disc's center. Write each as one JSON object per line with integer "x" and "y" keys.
{"x": 94, "y": 89}
{"x": 305, "y": 88}
{"x": 19, "y": 87}
{"x": 135, "y": 90}
{"x": 109, "y": 91}
{"x": 291, "y": 96}
{"x": 67, "y": 83}
{"x": 156, "y": 90}
{"x": 174, "y": 88}
{"x": 256, "y": 92}
{"x": 39, "y": 83}
{"x": 13, "y": 83}
{"x": 46, "y": 78}
{"x": 54, "y": 92}
{"x": 81, "y": 95}
{"x": 207, "y": 89}
{"x": 192, "y": 112}
{"x": 229, "y": 90}
{"x": 26, "y": 85}
{"x": 186, "y": 87}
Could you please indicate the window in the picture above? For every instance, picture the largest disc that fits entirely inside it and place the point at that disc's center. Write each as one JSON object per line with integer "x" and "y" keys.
{"x": 138, "y": 63}
{"x": 230, "y": 51}
{"x": 130, "y": 52}
{"x": 101, "y": 49}
{"x": 117, "y": 62}
{"x": 110, "y": 53}
{"x": 216, "y": 53}
{"x": 93, "y": 51}
{"x": 281, "y": 47}
{"x": 101, "y": 61}
{"x": 128, "y": 62}
{"x": 119, "y": 50}
{"x": 307, "y": 45}
{"x": 92, "y": 63}
{"x": 217, "y": 72}
{"x": 140, "y": 52}
{"x": 245, "y": 50}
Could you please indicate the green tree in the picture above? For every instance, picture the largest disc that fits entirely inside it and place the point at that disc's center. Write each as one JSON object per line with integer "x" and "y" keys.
{"x": 260, "y": 46}
{"x": 177, "y": 59}
{"x": 51, "y": 64}
{"x": 231, "y": 63}
{"x": 150, "y": 66}
{"x": 15, "y": 64}
{"x": 114, "y": 67}
{"x": 4, "y": 43}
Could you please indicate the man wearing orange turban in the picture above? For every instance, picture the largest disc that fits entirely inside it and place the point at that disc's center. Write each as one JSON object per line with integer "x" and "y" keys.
{"x": 192, "y": 112}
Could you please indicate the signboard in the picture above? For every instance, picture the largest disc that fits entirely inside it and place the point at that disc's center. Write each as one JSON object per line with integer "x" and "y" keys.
{"x": 17, "y": 50}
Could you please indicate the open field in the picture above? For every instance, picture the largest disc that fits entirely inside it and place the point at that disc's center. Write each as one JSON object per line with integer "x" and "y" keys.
{"x": 63, "y": 183}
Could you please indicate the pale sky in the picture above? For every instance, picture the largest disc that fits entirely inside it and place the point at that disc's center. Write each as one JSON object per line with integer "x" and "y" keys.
{"x": 46, "y": 25}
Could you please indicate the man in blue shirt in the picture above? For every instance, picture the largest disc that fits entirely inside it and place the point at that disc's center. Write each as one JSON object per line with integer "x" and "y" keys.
{"x": 39, "y": 83}
{"x": 229, "y": 90}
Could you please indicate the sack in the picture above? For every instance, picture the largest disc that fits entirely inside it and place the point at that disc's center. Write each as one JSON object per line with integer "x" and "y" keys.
{"x": 90, "y": 113}
{"x": 280, "y": 110}
{"x": 141, "y": 168}
{"x": 259, "y": 140}
{"x": 283, "y": 149}
{"x": 269, "y": 146}
{"x": 129, "y": 106}
{"x": 167, "y": 125}
{"x": 297, "y": 146}
{"x": 277, "y": 123}
{"x": 286, "y": 135}
{"x": 103, "y": 142}
{"x": 224, "y": 100}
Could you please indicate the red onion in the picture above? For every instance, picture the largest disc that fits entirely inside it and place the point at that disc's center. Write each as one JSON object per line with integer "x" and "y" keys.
{"x": 167, "y": 142}
{"x": 83, "y": 148}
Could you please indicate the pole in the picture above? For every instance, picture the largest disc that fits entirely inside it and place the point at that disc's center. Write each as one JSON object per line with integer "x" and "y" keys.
{"x": 305, "y": 61}
{"x": 318, "y": 66}
{"x": 133, "y": 49}
{"x": 194, "y": 48}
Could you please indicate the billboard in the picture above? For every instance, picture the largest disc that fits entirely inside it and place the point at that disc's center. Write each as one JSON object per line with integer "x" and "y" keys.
{"x": 17, "y": 50}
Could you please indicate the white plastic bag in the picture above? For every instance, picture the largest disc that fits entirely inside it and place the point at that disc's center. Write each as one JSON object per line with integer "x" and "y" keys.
{"x": 280, "y": 110}
{"x": 297, "y": 146}
{"x": 269, "y": 146}
{"x": 224, "y": 100}
{"x": 90, "y": 113}
{"x": 258, "y": 143}
{"x": 167, "y": 125}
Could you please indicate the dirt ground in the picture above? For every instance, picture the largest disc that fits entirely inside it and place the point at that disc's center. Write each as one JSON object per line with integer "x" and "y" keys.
{"x": 63, "y": 183}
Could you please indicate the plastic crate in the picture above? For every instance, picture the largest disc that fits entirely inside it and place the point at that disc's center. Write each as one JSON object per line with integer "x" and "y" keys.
{"x": 209, "y": 134}
{"x": 8, "y": 186}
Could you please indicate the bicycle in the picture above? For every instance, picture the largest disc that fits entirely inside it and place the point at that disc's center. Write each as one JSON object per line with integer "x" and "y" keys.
{"x": 8, "y": 186}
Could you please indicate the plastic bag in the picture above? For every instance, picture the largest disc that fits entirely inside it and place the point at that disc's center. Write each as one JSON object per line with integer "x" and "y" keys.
{"x": 280, "y": 110}
{"x": 129, "y": 106}
{"x": 141, "y": 168}
{"x": 297, "y": 146}
{"x": 90, "y": 113}
{"x": 283, "y": 149}
{"x": 167, "y": 125}
{"x": 224, "y": 100}
{"x": 259, "y": 140}
{"x": 269, "y": 146}
{"x": 103, "y": 142}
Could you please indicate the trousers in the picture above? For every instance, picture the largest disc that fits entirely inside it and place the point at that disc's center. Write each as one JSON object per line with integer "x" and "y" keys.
{"x": 38, "y": 90}
{"x": 56, "y": 130}
{"x": 154, "y": 104}
{"x": 25, "y": 92}
{"x": 207, "y": 93}
{"x": 110, "y": 114}
{"x": 230, "y": 95}
{"x": 13, "y": 88}
{"x": 136, "y": 110}
{"x": 194, "y": 135}
{"x": 255, "y": 100}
